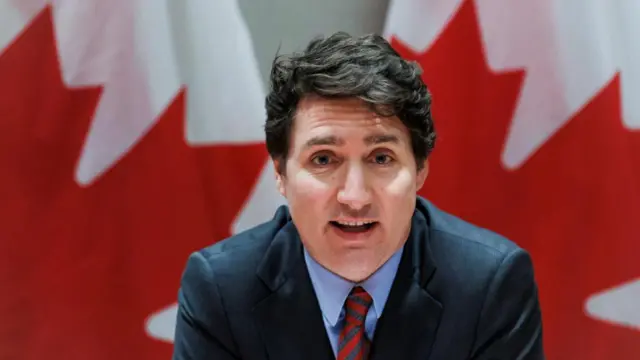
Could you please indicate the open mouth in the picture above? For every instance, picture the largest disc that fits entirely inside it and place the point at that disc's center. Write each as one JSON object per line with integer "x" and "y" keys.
{"x": 354, "y": 227}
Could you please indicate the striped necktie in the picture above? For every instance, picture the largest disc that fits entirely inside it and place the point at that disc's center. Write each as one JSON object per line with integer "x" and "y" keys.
{"x": 353, "y": 344}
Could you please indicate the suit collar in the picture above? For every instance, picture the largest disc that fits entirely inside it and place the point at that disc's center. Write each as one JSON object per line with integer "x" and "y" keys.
{"x": 290, "y": 319}
{"x": 284, "y": 252}
{"x": 420, "y": 256}
{"x": 408, "y": 326}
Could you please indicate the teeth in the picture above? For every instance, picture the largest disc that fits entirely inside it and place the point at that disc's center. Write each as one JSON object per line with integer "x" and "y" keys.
{"x": 354, "y": 223}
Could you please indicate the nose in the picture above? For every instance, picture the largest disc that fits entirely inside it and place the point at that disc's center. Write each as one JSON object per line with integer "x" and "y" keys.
{"x": 355, "y": 193}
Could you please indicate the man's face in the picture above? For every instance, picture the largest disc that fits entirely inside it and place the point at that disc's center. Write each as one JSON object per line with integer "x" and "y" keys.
{"x": 350, "y": 182}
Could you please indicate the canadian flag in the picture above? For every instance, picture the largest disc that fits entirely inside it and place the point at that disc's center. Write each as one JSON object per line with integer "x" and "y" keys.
{"x": 535, "y": 105}
{"x": 130, "y": 136}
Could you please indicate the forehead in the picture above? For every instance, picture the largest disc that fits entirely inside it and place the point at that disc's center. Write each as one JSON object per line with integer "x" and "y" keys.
{"x": 317, "y": 116}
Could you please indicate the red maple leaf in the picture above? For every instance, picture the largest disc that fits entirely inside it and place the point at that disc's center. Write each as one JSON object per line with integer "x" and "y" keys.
{"x": 573, "y": 205}
{"x": 84, "y": 266}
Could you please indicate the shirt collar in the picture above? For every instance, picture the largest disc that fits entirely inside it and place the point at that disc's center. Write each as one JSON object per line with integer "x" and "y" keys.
{"x": 332, "y": 290}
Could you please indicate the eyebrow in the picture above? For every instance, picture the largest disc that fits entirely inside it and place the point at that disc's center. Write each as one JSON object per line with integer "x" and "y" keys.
{"x": 323, "y": 140}
{"x": 380, "y": 139}
{"x": 333, "y": 140}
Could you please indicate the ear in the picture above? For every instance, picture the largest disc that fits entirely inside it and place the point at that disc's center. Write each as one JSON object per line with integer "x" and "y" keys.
{"x": 279, "y": 177}
{"x": 422, "y": 175}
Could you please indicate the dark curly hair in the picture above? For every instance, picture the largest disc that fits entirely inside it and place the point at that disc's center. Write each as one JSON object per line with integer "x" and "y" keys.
{"x": 342, "y": 66}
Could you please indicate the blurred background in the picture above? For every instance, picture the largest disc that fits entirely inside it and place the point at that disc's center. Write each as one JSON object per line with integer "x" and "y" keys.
{"x": 131, "y": 135}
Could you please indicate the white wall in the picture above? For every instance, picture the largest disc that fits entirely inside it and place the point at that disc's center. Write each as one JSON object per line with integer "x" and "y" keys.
{"x": 290, "y": 24}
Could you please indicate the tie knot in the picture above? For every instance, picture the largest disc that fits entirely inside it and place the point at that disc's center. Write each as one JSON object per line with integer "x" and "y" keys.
{"x": 357, "y": 305}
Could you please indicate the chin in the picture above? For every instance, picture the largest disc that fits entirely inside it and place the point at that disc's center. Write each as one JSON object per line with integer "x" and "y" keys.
{"x": 356, "y": 274}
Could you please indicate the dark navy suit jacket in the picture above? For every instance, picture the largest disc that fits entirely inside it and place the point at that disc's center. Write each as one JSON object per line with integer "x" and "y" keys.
{"x": 461, "y": 292}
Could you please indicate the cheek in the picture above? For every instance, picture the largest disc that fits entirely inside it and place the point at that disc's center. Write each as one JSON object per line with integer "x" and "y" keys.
{"x": 399, "y": 202}
{"x": 401, "y": 186}
{"x": 309, "y": 200}
{"x": 309, "y": 189}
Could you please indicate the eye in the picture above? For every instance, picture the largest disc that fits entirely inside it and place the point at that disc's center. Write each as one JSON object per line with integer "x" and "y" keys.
{"x": 382, "y": 159}
{"x": 322, "y": 159}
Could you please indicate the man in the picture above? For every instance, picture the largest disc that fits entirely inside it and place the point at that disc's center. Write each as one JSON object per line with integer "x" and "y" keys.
{"x": 357, "y": 266}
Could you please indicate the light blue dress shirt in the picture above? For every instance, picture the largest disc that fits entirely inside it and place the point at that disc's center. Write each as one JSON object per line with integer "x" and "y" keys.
{"x": 332, "y": 291}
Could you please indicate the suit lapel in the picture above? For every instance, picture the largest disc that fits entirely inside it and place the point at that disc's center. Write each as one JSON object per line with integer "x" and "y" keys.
{"x": 290, "y": 319}
{"x": 410, "y": 320}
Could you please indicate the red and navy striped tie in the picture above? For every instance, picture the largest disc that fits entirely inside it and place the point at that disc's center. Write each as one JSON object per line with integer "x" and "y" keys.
{"x": 353, "y": 344}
